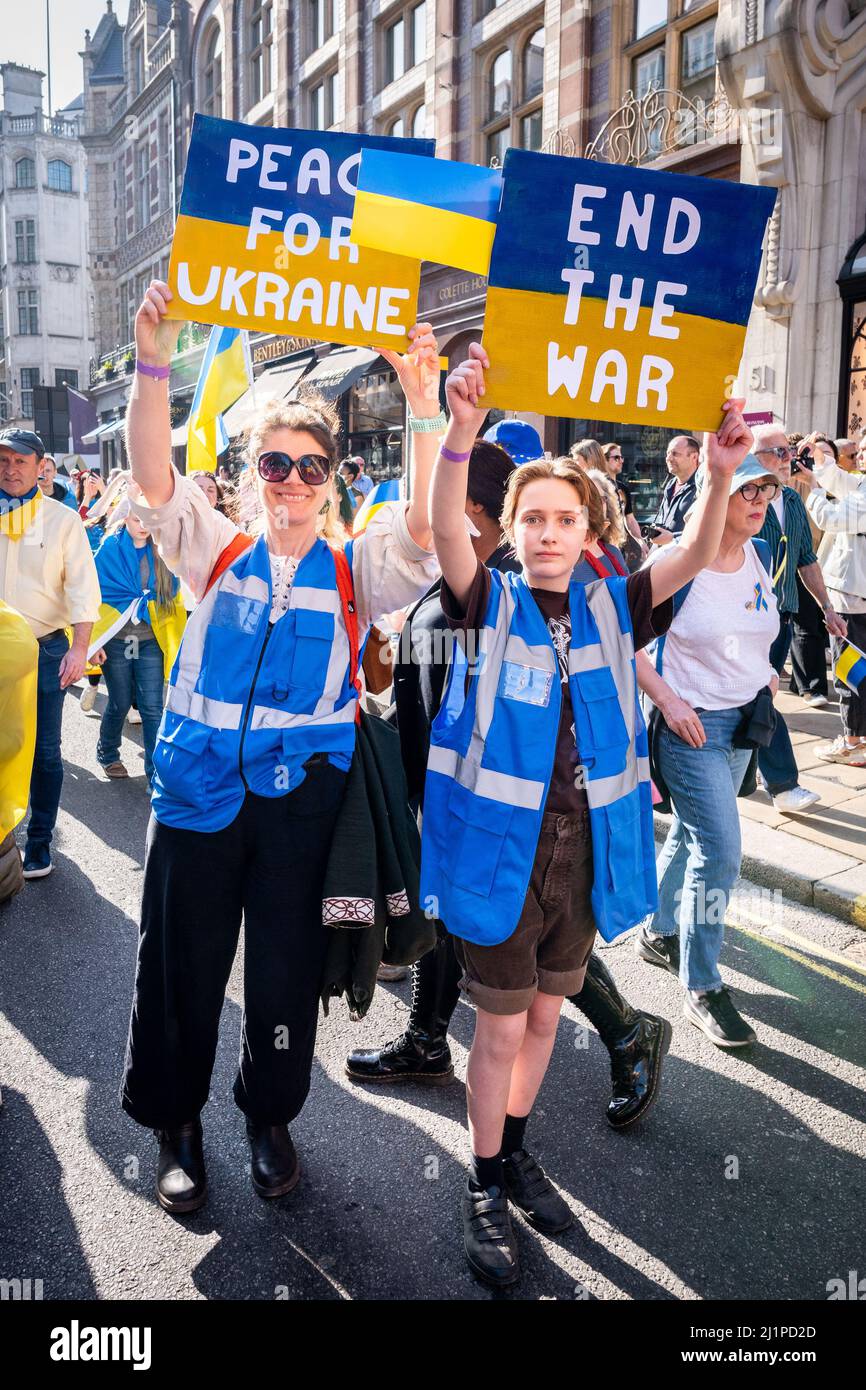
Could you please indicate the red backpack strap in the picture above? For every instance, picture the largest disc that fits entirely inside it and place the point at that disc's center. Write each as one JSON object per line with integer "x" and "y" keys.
{"x": 346, "y": 590}
{"x": 227, "y": 556}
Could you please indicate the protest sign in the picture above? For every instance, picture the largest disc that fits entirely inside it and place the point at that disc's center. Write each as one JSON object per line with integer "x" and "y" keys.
{"x": 619, "y": 293}
{"x": 436, "y": 210}
{"x": 263, "y": 237}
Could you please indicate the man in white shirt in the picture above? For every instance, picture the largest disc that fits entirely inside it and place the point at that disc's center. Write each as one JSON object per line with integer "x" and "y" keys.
{"x": 46, "y": 573}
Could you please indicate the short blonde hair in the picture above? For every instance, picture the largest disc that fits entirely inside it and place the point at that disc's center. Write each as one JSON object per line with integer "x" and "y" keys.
{"x": 316, "y": 416}
{"x": 565, "y": 468}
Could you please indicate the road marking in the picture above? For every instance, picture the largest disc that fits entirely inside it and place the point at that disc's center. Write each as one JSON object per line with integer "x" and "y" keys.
{"x": 816, "y": 949}
{"x": 798, "y": 956}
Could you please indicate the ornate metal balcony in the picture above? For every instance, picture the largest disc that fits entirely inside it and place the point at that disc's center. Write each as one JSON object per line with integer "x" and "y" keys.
{"x": 661, "y": 122}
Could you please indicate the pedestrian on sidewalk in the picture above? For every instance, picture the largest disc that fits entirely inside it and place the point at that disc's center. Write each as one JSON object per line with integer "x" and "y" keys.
{"x": 635, "y": 548}
{"x": 837, "y": 503}
{"x": 809, "y": 637}
{"x": 682, "y": 457}
{"x": 715, "y": 662}
{"x": 253, "y": 752}
{"x": 636, "y": 1041}
{"x": 141, "y": 603}
{"x": 47, "y": 573}
{"x": 522, "y": 880}
{"x": 786, "y": 531}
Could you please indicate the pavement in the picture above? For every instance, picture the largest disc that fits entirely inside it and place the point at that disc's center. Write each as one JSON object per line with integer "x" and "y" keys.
{"x": 742, "y": 1184}
{"x": 817, "y": 858}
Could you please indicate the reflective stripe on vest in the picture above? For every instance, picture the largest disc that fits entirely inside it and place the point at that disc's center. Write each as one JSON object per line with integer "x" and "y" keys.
{"x": 249, "y": 701}
{"x": 491, "y": 759}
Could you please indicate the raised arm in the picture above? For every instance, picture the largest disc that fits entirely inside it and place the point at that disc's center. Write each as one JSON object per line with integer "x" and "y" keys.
{"x": 418, "y": 374}
{"x": 148, "y": 422}
{"x": 463, "y": 390}
{"x": 723, "y": 453}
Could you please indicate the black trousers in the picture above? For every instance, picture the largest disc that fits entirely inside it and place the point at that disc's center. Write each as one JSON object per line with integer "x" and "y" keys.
{"x": 267, "y": 867}
{"x": 809, "y": 646}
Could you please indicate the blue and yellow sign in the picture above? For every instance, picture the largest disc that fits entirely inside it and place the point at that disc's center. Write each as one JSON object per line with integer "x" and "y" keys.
{"x": 263, "y": 238}
{"x": 617, "y": 293}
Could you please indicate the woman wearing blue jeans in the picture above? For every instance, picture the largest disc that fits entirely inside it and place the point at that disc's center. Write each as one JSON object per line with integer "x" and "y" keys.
{"x": 715, "y": 662}
{"x": 142, "y": 639}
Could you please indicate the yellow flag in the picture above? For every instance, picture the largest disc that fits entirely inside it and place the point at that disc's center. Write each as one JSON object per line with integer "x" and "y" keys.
{"x": 19, "y": 662}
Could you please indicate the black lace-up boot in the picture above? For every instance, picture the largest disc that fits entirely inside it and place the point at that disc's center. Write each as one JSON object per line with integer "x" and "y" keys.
{"x": 422, "y": 1052}
{"x": 637, "y": 1043}
{"x": 181, "y": 1180}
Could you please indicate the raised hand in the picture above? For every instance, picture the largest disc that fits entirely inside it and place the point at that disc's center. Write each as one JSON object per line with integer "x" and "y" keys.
{"x": 465, "y": 388}
{"x": 725, "y": 450}
{"x": 418, "y": 370}
{"x": 155, "y": 335}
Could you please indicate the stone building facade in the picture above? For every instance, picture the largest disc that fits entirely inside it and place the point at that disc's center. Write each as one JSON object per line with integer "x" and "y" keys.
{"x": 45, "y": 312}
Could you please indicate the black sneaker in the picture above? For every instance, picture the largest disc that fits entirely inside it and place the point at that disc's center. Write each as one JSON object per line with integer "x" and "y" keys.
{"x": 532, "y": 1192}
{"x": 659, "y": 950}
{"x": 411, "y": 1057}
{"x": 715, "y": 1015}
{"x": 488, "y": 1238}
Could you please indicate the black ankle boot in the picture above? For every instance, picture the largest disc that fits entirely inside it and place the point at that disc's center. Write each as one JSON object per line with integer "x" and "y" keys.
{"x": 637, "y": 1043}
{"x": 274, "y": 1166}
{"x": 422, "y": 1052}
{"x": 181, "y": 1180}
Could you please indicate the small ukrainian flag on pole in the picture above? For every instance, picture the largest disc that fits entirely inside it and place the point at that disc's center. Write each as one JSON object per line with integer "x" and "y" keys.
{"x": 223, "y": 377}
{"x": 427, "y": 209}
{"x": 850, "y": 667}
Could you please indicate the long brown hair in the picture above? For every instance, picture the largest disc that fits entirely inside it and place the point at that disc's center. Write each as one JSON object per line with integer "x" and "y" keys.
{"x": 316, "y": 416}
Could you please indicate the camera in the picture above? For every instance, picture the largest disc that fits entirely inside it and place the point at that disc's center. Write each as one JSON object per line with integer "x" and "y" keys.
{"x": 803, "y": 462}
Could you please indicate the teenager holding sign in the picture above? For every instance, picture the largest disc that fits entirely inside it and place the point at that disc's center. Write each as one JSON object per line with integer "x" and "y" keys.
{"x": 253, "y": 751}
{"x": 537, "y": 810}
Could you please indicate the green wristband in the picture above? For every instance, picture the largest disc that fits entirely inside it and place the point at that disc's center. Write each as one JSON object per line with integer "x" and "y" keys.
{"x": 428, "y": 424}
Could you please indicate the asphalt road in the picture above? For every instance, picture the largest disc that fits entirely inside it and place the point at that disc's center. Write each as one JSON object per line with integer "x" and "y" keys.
{"x": 745, "y": 1183}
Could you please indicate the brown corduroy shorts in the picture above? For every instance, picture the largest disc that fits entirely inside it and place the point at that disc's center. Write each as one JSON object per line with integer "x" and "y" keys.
{"x": 552, "y": 942}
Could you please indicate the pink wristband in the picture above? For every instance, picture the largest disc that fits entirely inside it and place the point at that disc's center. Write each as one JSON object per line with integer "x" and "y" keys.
{"x": 158, "y": 373}
{"x": 451, "y": 456}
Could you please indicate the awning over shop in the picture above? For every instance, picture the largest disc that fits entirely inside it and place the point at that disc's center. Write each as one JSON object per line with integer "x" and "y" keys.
{"x": 276, "y": 383}
{"x": 334, "y": 374}
{"x": 106, "y": 431}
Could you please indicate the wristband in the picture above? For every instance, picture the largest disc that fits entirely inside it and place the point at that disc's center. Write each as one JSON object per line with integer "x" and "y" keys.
{"x": 158, "y": 373}
{"x": 452, "y": 457}
{"x": 428, "y": 424}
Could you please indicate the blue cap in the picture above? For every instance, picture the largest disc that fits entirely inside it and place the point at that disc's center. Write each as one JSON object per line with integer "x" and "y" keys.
{"x": 519, "y": 440}
{"x": 749, "y": 471}
{"x": 22, "y": 442}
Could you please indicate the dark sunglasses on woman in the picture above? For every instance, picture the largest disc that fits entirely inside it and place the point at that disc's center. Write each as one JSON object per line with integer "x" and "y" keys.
{"x": 313, "y": 469}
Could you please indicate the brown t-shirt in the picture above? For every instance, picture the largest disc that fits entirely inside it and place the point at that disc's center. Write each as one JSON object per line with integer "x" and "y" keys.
{"x": 565, "y": 794}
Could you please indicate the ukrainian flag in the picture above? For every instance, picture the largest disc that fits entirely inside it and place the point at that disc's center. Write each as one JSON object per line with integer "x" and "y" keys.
{"x": 429, "y": 209}
{"x": 378, "y": 497}
{"x": 224, "y": 377}
{"x": 124, "y": 600}
{"x": 850, "y": 667}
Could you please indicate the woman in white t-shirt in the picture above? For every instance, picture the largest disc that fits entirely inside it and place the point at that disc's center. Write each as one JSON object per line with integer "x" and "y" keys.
{"x": 715, "y": 661}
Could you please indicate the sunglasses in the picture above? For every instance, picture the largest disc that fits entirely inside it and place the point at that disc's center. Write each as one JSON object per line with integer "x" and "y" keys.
{"x": 781, "y": 451}
{"x": 749, "y": 491}
{"x": 313, "y": 469}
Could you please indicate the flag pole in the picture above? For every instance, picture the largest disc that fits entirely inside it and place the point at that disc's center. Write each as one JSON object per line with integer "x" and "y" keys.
{"x": 48, "y": 39}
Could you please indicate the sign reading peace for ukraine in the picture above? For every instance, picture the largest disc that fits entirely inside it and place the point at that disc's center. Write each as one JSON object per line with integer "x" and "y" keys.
{"x": 617, "y": 293}
{"x": 263, "y": 237}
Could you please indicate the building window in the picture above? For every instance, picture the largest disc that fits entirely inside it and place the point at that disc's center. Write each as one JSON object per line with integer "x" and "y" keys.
{"x": 261, "y": 49}
{"x": 397, "y": 129}
{"x": 321, "y": 13}
{"x": 25, "y": 241}
{"x": 514, "y": 107}
{"x": 60, "y": 176}
{"x": 649, "y": 71}
{"x": 418, "y": 34}
{"x": 323, "y": 102}
{"x": 28, "y": 313}
{"x": 212, "y": 76}
{"x": 649, "y": 15}
{"x": 66, "y": 376}
{"x": 142, "y": 186}
{"x": 136, "y": 58}
{"x": 419, "y": 123}
{"x": 25, "y": 173}
{"x": 698, "y": 62}
{"x": 29, "y": 379}
{"x": 395, "y": 51}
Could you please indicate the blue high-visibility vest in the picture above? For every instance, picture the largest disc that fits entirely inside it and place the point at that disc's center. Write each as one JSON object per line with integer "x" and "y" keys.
{"x": 491, "y": 758}
{"x": 248, "y": 701}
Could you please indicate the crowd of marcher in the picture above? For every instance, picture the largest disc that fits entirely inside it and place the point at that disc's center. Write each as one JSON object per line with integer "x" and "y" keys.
{"x": 561, "y": 671}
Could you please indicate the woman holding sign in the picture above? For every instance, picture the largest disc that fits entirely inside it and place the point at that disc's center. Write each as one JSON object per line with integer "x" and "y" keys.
{"x": 253, "y": 751}
{"x": 537, "y": 807}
